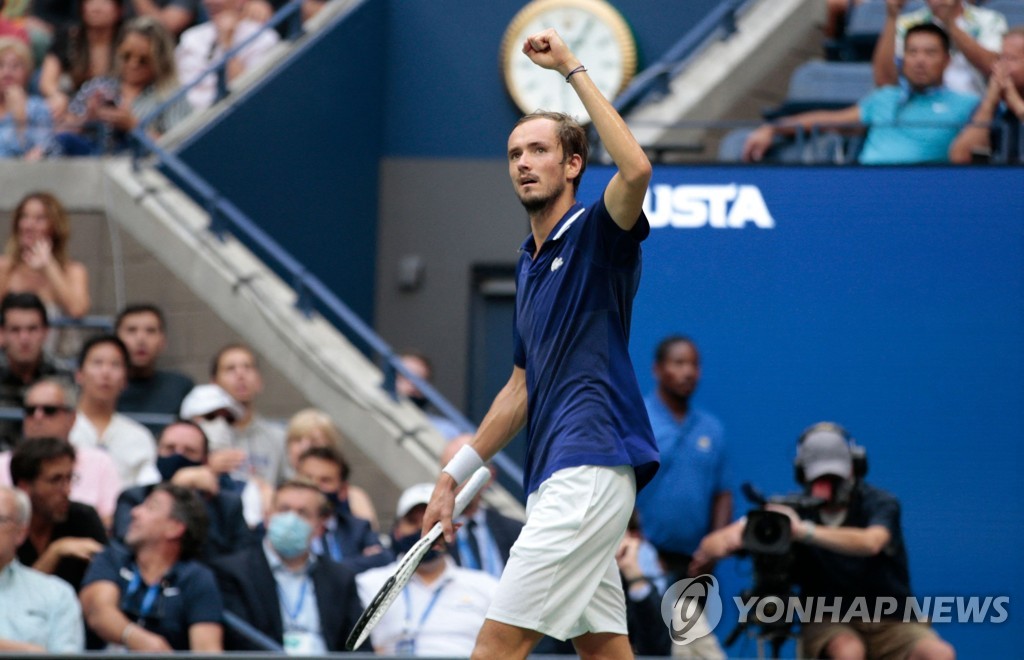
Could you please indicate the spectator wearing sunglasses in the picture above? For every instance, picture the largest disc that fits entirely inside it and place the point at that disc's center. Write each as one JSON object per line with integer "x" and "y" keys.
{"x": 49, "y": 411}
{"x": 107, "y": 108}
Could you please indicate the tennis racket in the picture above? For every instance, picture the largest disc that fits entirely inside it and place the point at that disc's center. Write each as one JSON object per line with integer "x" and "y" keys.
{"x": 403, "y": 573}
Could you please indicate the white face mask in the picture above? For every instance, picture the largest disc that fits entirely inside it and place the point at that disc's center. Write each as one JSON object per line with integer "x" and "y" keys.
{"x": 218, "y": 432}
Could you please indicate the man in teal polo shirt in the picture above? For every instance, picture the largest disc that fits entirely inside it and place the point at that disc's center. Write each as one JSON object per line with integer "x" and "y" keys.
{"x": 905, "y": 125}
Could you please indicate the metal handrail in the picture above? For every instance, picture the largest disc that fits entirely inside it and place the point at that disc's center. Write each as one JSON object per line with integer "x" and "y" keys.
{"x": 310, "y": 290}
{"x": 655, "y": 78}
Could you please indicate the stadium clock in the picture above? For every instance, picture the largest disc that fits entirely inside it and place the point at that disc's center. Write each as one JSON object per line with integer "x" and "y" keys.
{"x": 595, "y": 32}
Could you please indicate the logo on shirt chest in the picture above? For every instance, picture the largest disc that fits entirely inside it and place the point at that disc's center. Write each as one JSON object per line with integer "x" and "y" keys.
{"x": 556, "y": 264}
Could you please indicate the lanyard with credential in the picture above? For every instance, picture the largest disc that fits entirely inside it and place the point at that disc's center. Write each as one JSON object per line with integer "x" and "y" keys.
{"x": 293, "y": 613}
{"x": 411, "y": 632}
{"x": 151, "y": 594}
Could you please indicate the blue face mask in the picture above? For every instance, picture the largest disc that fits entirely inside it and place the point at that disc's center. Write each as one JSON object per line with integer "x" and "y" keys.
{"x": 167, "y": 466}
{"x": 288, "y": 534}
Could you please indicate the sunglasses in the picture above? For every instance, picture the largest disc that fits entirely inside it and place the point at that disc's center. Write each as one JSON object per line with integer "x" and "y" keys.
{"x": 48, "y": 411}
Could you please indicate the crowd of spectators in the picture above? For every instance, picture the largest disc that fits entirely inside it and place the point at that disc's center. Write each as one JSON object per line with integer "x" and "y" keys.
{"x": 76, "y": 78}
{"x": 141, "y": 537}
{"x": 960, "y": 103}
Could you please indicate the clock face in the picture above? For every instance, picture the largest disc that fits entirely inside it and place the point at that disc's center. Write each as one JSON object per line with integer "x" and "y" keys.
{"x": 596, "y": 34}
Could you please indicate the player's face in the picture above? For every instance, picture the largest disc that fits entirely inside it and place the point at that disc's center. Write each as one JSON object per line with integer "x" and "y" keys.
{"x": 38, "y": 422}
{"x": 143, "y": 336}
{"x": 925, "y": 60}
{"x": 51, "y": 490}
{"x": 536, "y": 164}
{"x": 679, "y": 373}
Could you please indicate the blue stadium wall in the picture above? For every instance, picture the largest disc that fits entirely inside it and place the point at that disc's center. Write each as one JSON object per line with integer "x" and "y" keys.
{"x": 890, "y": 300}
{"x": 393, "y": 79}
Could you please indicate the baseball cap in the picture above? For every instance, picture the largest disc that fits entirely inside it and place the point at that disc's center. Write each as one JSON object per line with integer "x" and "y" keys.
{"x": 823, "y": 452}
{"x": 205, "y": 399}
{"x": 413, "y": 497}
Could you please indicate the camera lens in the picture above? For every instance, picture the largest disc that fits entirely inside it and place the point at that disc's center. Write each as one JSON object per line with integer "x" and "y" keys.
{"x": 768, "y": 531}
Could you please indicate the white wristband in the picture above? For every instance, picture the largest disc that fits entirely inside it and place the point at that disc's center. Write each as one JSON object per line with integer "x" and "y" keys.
{"x": 462, "y": 466}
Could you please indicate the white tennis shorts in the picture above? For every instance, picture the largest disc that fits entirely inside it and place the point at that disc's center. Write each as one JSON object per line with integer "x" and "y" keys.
{"x": 561, "y": 578}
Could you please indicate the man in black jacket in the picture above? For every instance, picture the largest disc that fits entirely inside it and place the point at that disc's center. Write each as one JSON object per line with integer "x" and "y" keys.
{"x": 307, "y": 604}
{"x": 182, "y": 453}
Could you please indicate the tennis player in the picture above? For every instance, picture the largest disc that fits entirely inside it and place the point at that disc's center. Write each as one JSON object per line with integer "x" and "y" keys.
{"x": 590, "y": 446}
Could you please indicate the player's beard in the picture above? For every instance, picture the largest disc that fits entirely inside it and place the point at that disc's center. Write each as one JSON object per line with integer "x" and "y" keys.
{"x": 536, "y": 204}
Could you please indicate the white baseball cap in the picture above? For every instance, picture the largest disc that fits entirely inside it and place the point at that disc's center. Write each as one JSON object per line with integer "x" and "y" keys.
{"x": 205, "y": 399}
{"x": 413, "y": 497}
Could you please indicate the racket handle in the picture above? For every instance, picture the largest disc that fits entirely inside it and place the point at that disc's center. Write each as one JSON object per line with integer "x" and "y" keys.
{"x": 472, "y": 487}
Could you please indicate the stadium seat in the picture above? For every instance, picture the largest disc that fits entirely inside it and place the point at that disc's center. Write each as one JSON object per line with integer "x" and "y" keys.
{"x": 818, "y": 84}
{"x": 824, "y": 148}
{"x": 730, "y": 149}
{"x": 1013, "y": 10}
{"x": 863, "y": 26}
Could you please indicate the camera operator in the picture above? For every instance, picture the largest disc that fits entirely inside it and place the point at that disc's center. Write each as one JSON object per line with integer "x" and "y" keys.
{"x": 849, "y": 547}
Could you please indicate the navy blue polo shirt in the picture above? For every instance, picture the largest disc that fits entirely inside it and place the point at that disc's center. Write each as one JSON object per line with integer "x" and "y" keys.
{"x": 187, "y": 594}
{"x": 571, "y": 335}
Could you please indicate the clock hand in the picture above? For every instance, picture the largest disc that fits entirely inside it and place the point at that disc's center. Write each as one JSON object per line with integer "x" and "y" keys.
{"x": 581, "y": 34}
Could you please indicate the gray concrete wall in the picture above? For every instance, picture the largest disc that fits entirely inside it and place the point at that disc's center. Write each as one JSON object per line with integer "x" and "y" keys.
{"x": 195, "y": 331}
{"x": 454, "y": 214}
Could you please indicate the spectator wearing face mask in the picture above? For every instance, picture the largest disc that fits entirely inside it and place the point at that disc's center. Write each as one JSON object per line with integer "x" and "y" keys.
{"x": 181, "y": 459}
{"x": 214, "y": 410}
{"x": 442, "y": 608}
{"x": 305, "y": 603}
{"x": 346, "y": 538}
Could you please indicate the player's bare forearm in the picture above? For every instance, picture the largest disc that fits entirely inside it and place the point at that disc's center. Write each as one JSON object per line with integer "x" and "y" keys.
{"x": 624, "y": 196}
{"x": 504, "y": 419}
